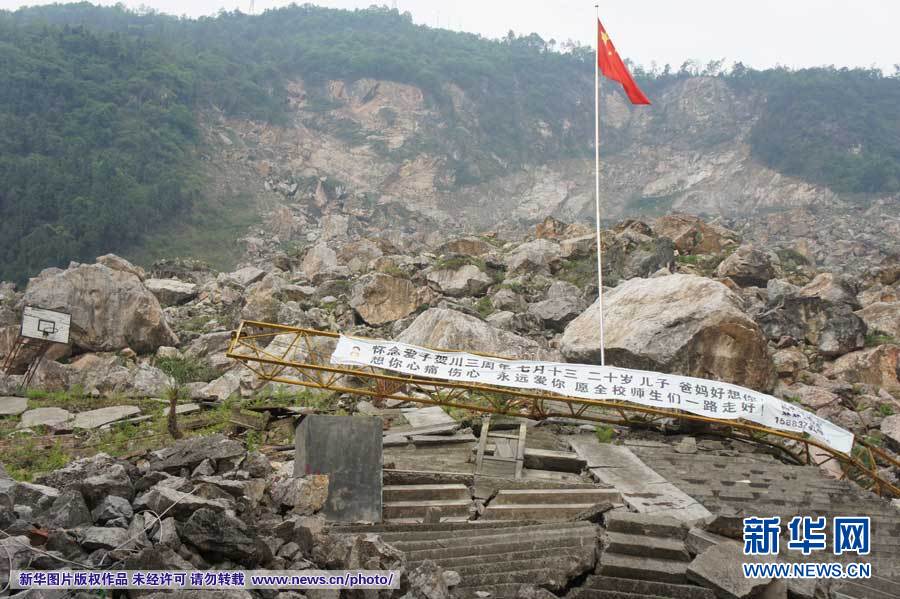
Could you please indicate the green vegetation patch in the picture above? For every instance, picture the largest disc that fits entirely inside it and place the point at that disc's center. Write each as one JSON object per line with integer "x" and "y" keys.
{"x": 186, "y": 369}
{"x": 875, "y": 337}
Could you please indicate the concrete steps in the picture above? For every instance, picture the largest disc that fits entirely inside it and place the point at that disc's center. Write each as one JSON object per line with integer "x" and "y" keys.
{"x": 404, "y": 504}
{"x": 558, "y": 561}
{"x": 606, "y": 587}
{"x": 643, "y": 568}
{"x": 543, "y": 512}
{"x": 395, "y": 529}
{"x": 392, "y": 493}
{"x": 875, "y": 587}
{"x": 761, "y": 485}
{"x": 508, "y": 544}
{"x": 546, "y": 504}
{"x": 643, "y": 547}
{"x": 490, "y": 537}
{"x": 545, "y": 577}
{"x": 416, "y": 509}
{"x": 645, "y": 524}
{"x": 455, "y": 563}
{"x": 501, "y": 556}
{"x": 586, "y": 496}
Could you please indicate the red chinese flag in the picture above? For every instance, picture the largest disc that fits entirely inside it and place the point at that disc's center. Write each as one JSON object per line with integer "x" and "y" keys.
{"x": 612, "y": 67}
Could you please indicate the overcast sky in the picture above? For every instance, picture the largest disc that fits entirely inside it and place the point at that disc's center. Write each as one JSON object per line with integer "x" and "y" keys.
{"x": 760, "y": 33}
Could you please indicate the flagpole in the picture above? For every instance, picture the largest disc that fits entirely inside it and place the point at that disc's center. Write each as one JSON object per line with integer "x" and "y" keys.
{"x": 597, "y": 185}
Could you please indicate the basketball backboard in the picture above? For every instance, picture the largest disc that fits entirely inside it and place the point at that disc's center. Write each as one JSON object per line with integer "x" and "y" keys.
{"x": 48, "y": 325}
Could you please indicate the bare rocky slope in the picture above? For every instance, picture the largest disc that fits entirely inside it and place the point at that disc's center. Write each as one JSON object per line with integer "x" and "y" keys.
{"x": 372, "y": 158}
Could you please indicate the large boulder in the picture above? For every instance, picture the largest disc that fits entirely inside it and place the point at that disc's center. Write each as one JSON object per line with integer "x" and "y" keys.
{"x": 632, "y": 249}
{"x": 578, "y": 247}
{"x": 879, "y": 366}
{"x": 171, "y": 292}
{"x": 820, "y": 313}
{"x": 533, "y": 256}
{"x": 789, "y": 362}
{"x": 261, "y": 301}
{"x": 459, "y": 281}
{"x": 318, "y": 259}
{"x": 890, "y": 430}
{"x": 747, "y": 266}
{"x": 118, "y": 263}
{"x": 149, "y": 381}
{"x": 111, "y": 309}
{"x": 243, "y": 277}
{"x": 692, "y": 235}
{"x": 681, "y": 323}
{"x": 556, "y": 312}
{"x": 442, "y": 328}
{"x": 466, "y": 246}
{"x": 832, "y": 288}
{"x": 358, "y": 254}
{"x": 882, "y": 316}
{"x": 379, "y": 298}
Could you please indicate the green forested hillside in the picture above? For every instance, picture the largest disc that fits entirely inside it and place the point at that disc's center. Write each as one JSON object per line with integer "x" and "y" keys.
{"x": 98, "y": 131}
{"x": 96, "y": 138}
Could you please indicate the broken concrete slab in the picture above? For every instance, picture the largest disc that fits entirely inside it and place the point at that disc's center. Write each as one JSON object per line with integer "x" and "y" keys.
{"x": 699, "y": 540}
{"x": 395, "y": 440}
{"x": 187, "y": 408}
{"x": 49, "y": 417}
{"x": 99, "y": 417}
{"x": 13, "y": 406}
{"x": 720, "y": 569}
{"x": 432, "y": 415}
{"x": 433, "y": 429}
{"x": 643, "y": 490}
{"x": 440, "y": 439}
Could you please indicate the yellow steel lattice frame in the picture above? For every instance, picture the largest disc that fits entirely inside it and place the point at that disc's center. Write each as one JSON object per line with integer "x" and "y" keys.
{"x": 298, "y": 359}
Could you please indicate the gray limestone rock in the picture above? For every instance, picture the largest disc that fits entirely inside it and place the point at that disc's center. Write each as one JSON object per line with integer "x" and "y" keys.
{"x": 113, "y": 482}
{"x": 219, "y": 535}
{"x": 68, "y": 510}
{"x": 112, "y": 508}
{"x": 101, "y": 537}
{"x": 188, "y": 453}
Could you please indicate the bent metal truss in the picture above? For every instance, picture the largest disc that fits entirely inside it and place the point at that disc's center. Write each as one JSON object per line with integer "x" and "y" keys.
{"x": 298, "y": 356}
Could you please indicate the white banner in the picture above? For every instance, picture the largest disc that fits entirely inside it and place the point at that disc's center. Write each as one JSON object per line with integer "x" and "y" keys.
{"x": 653, "y": 389}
